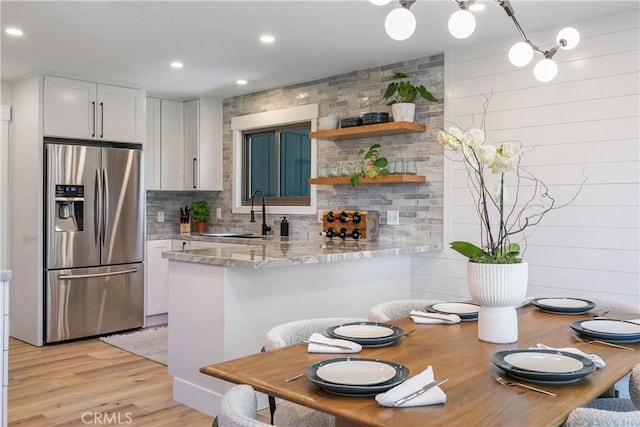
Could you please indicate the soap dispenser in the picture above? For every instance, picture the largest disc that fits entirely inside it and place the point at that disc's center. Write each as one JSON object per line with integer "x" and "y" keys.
{"x": 284, "y": 227}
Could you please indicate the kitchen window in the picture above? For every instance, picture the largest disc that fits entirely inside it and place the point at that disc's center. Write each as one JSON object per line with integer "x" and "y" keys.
{"x": 272, "y": 152}
{"x": 277, "y": 163}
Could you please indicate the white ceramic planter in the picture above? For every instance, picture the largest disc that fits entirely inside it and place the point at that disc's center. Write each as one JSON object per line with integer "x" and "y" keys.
{"x": 403, "y": 112}
{"x": 499, "y": 289}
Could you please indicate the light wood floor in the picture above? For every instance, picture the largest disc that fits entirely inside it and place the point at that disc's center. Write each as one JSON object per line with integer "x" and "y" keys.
{"x": 89, "y": 383}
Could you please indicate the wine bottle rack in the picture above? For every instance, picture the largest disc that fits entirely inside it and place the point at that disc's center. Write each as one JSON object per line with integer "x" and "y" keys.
{"x": 352, "y": 225}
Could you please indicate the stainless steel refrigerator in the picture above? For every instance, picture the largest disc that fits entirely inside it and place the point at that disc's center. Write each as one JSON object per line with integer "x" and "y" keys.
{"x": 94, "y": 247}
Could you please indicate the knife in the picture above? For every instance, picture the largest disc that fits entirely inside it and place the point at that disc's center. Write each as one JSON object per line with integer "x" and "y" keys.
{"x": 419, "y": 392}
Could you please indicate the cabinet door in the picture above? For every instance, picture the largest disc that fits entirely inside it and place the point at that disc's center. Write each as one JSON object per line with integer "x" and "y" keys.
{"x": 210, "y": 145}
{"x": 180, "y": 245}
{"x": 157, "y": 295}
{"x": 121, "y": 114}
{"x": 172, "y": 145}
{"x": 191, "y": 141}
{"x": 152, "y": 145}
{"x": 69, "y": 108}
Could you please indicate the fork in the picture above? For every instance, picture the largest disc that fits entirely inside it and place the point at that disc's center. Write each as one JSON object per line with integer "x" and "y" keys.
{"x": 512, "y": 384}
{"x": 610, "y": 344}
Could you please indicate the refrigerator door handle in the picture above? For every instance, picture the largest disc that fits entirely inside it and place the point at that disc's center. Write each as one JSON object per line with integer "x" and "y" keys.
{"x": 88, "y": 276}
{"x": 105, "y": 204}
{"x": 97, "y": 209}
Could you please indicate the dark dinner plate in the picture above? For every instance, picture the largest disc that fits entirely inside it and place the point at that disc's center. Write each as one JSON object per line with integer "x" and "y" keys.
{"x": 465, "y": 316}
{"x": 402, "y": 373}
{"x": 620, "y": 338}
{"x": 379, "y": 341}
{"x": 563, "y": 305}
{"x": 498, "y": 359}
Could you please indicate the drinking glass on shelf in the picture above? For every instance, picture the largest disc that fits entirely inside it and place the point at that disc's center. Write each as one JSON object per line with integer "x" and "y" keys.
{"x": 398, "y": 166}
{"x": 334, "y": 169}
{"x": 411, "y": 168}
{"x": 346, "y": 168}
{"x": 323, "y": 170}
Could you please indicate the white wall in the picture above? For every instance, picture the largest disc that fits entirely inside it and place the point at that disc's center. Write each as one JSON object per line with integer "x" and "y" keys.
{"x": 588, "y": 116}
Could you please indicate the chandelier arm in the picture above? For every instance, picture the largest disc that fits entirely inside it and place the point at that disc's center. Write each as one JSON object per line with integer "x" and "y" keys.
{"x": 407, "y": 3}
{"x": 506, "y": 5}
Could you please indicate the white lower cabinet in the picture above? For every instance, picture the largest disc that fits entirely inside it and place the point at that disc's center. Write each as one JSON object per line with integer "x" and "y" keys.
{"x": 157, "y": 295}
{"x": 157, "y": 287}
{"x": 4, "y": 350}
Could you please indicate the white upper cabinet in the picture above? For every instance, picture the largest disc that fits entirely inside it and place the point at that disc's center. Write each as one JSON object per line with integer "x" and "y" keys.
{"x": 191, "y": 142}
{"x": 171, "y": 145}
{"x": 87, "y": 110}
{"x": 205, "y": 145}
{"x": 183, "y": 150}
{"x": 152, "y": 146}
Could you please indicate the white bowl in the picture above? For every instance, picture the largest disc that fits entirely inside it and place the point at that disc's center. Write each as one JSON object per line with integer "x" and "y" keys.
{"x": 329, "y": 122}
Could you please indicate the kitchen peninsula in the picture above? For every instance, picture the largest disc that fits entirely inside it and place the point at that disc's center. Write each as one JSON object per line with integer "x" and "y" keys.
{"x": 223, "y": 299}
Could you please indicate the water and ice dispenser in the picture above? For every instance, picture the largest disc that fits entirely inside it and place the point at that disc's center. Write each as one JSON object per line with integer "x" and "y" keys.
{"x": 69, "y": 214}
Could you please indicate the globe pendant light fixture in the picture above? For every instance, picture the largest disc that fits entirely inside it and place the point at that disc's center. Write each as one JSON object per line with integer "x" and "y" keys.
{"x": 545, "y": 70}
{"x": 462, "y": 23}
{"x": 521, "y": 53}
{"x": 400, "y": 23}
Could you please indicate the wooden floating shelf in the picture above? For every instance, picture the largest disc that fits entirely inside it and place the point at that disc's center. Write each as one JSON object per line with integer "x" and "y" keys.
{"x": 367, "y": 131}
{"x": 388, "y": 179}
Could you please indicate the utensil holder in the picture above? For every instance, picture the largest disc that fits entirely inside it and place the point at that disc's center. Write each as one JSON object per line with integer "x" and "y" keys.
{"x": 185, "y": 228}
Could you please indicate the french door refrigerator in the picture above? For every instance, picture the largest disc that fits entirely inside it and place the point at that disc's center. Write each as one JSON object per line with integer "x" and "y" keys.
{"x": 94, "y": 275}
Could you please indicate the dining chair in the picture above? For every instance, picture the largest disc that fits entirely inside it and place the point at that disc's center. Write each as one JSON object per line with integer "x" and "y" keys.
{"x": 288, "y": 334}
{"x": 239, "y": 408}
{"x": 604, "y": 304}
{"x": 388, "y": 310}
{"x": 611, "y": 411}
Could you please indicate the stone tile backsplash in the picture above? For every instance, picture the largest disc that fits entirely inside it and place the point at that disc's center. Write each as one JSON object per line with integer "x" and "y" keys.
{"x": 346, "y": 95}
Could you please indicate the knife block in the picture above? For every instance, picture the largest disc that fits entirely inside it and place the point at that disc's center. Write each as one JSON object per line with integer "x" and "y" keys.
{"x": 185, "y": 228}
{"x": 366, "y": 222}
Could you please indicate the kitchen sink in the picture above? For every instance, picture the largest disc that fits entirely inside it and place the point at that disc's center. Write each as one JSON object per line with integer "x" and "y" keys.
{"x": 232, "y": 234}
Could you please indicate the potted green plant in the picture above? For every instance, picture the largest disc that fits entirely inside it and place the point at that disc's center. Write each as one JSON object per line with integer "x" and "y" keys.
{"x": 369, "y": 164}
{"x": 403, "y": 94}
{"x": 496, "y": 273}
{"x": 200, "y": 213}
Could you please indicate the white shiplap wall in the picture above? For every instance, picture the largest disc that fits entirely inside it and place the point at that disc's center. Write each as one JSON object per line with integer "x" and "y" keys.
{"x": 588, "y": 116}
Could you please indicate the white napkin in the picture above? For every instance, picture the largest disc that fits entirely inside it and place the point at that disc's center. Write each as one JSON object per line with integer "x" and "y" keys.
{"x": 319, "y": 348}
{"x": 434, "y": 318}
{"x": 432, "y": 396}
{"x": 594, "y": 358}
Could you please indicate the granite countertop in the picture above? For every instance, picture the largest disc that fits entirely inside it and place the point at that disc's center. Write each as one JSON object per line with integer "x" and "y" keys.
{"x": 272, "y": 252}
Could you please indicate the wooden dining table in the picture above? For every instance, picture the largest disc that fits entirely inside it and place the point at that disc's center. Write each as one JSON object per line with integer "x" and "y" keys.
{"x": 474, "y": 397}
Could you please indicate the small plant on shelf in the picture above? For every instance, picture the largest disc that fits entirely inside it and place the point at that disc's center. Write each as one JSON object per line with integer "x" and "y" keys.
{"x": 405, "y": 91}
{"x": 369, "y": 164}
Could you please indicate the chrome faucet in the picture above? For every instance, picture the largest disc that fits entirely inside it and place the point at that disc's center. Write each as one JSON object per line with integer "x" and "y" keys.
{"x": 265, "y": 227}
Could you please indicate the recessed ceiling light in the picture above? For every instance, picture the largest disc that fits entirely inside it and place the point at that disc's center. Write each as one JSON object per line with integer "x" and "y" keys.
{"x": 241, "y": 82}
{"x": 14, "y": 32}
{"x": 476, "y": 7}
{"x": 266, "y": 38}
{"x": 177, "y": 64}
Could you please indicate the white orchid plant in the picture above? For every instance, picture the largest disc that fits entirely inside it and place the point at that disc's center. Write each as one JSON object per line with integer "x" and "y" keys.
{"x": 487, "y": 166}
